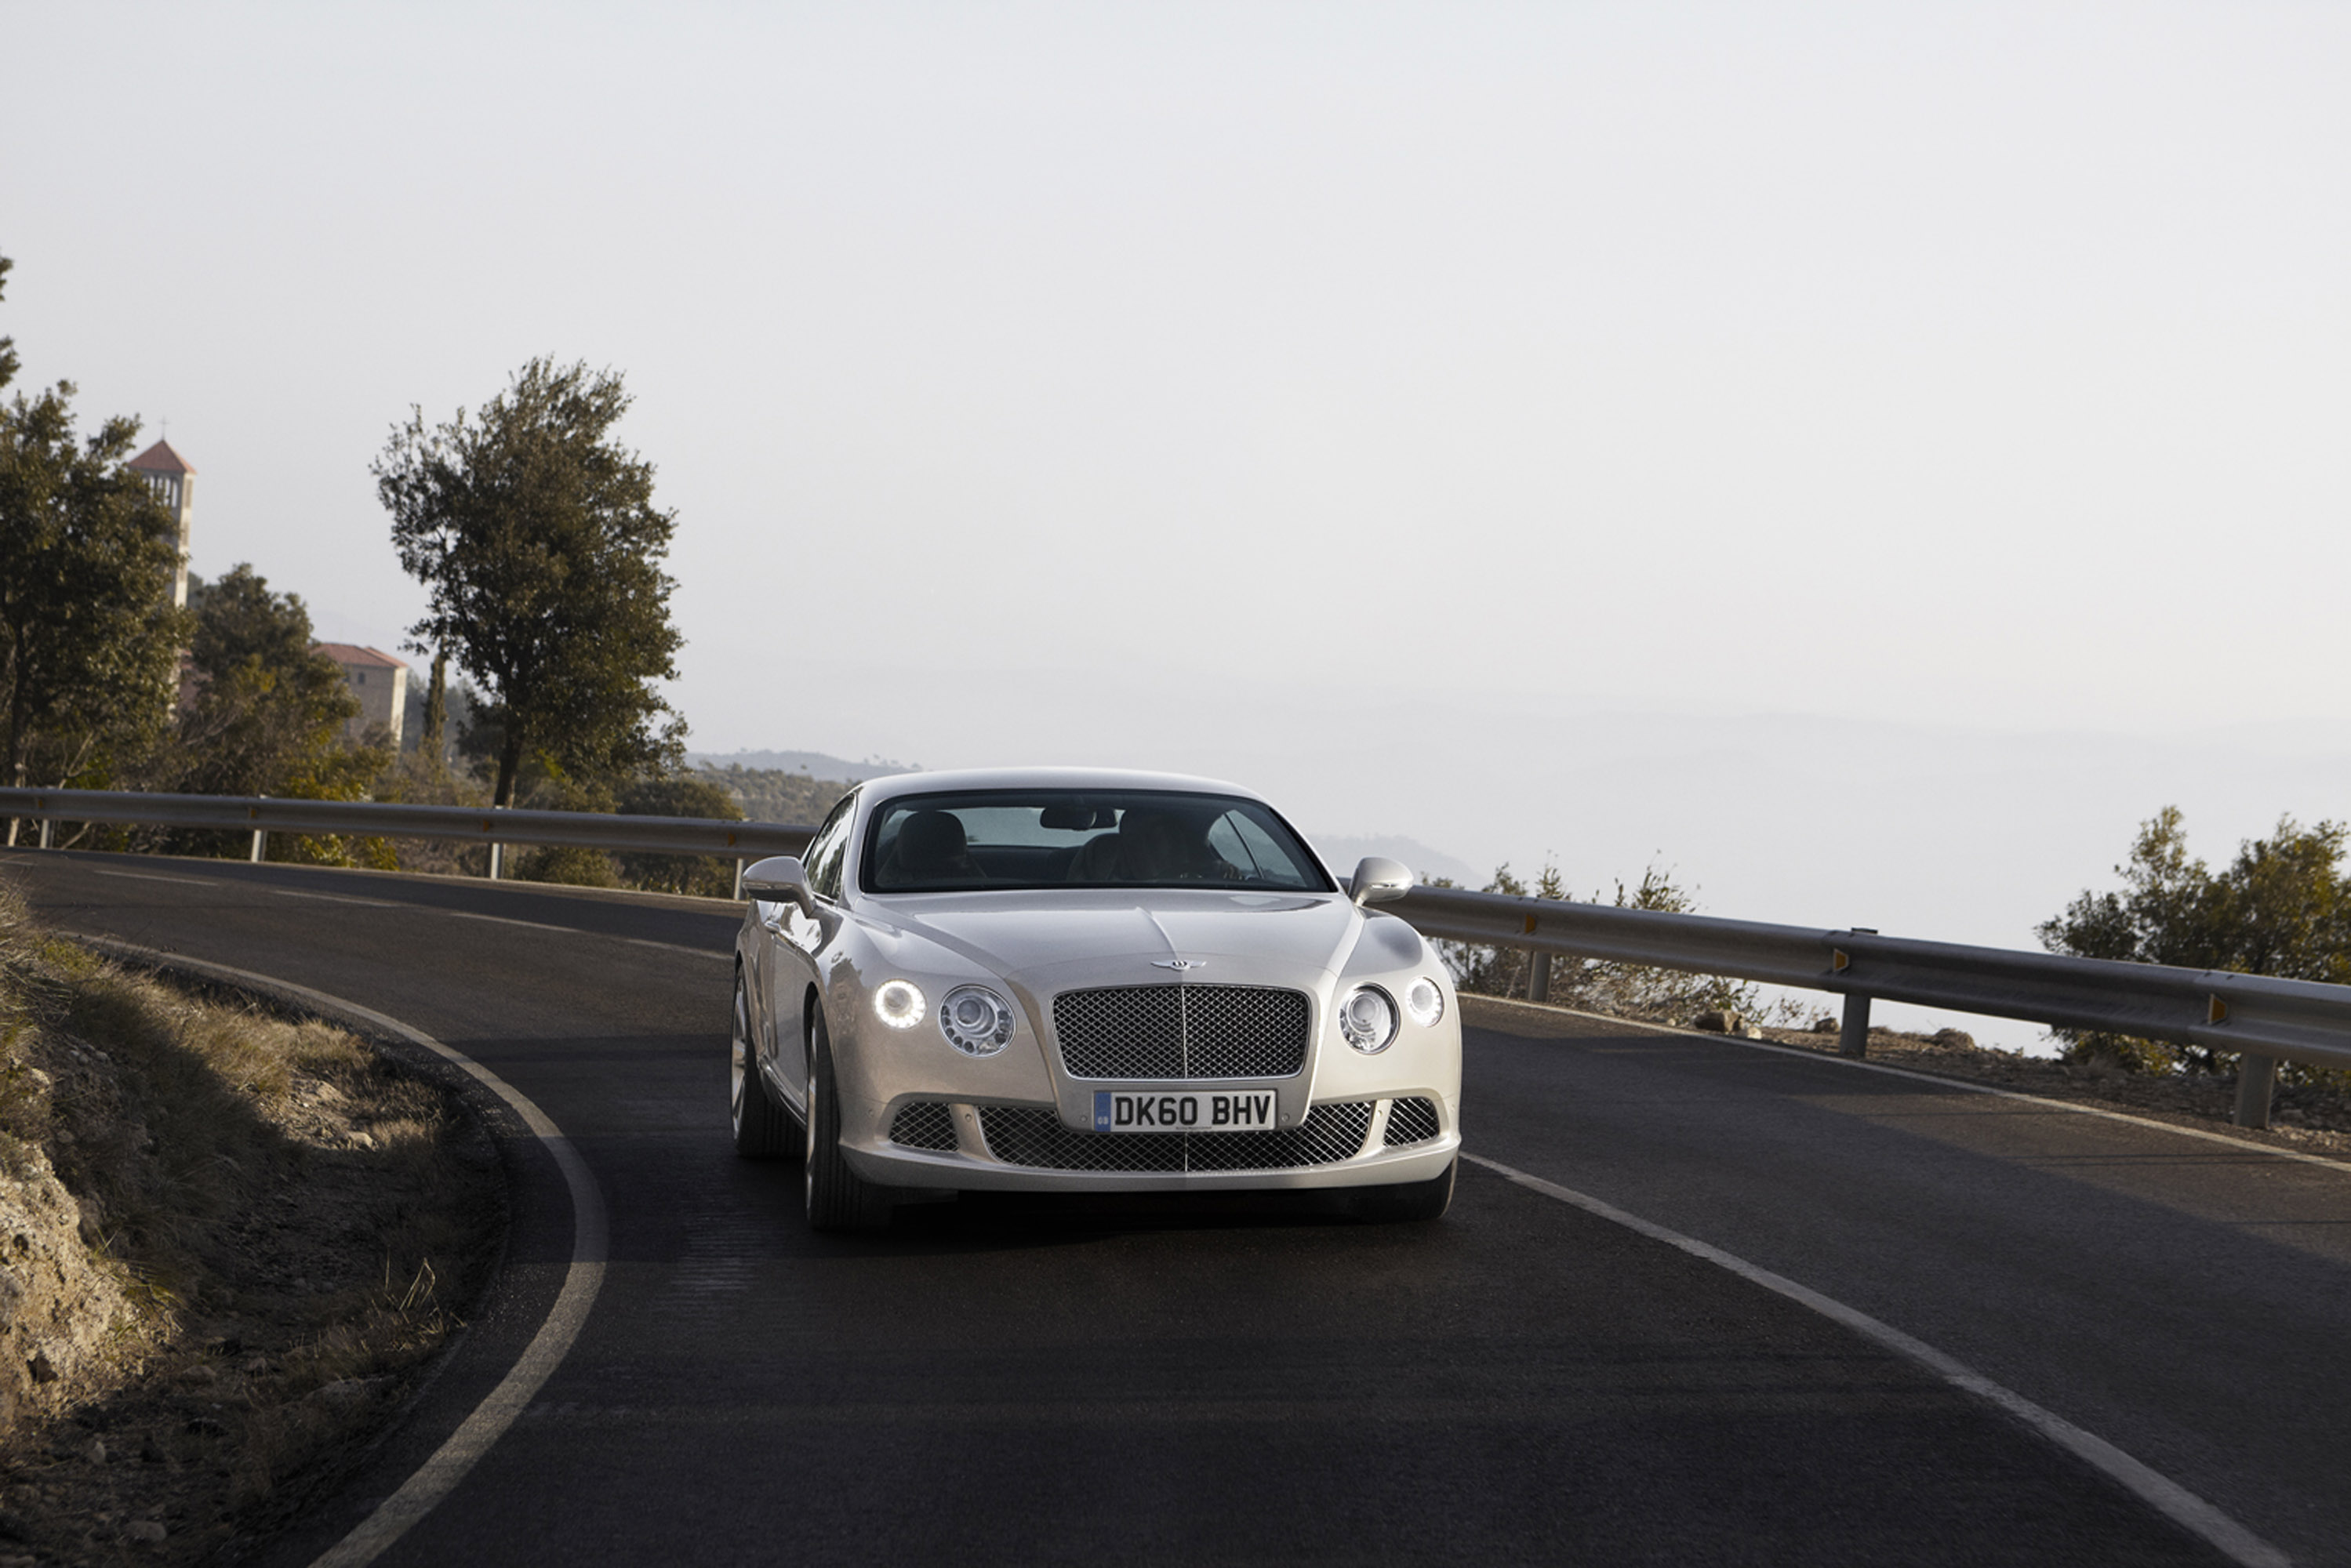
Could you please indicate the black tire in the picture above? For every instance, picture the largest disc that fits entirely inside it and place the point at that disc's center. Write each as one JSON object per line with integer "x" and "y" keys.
{"x": 1408, "y": 1203}
{"x": 839, "y": 1199}
{"x": 763, "y": 1129}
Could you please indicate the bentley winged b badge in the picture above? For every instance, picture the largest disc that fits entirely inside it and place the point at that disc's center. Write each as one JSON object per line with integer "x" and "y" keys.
{"x": 1179, "y": 964}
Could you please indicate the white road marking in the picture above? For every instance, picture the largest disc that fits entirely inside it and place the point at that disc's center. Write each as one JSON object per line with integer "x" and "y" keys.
{"x": 150, "y": 876}
{"x": 576, "y": 931}
{"x": 337, "y": 898}
{"x": 2165, "y": 1495}
{"x": 590, "y": 1245}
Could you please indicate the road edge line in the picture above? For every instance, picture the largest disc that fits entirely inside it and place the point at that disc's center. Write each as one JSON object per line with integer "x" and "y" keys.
{"x": 591, "y": 1245}
{"x": 2160, "y": 1491}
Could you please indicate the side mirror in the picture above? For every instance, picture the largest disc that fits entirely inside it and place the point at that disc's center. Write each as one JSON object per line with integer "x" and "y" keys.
{"x": 778, "y": 878}
{"x": 1379, "y": 880}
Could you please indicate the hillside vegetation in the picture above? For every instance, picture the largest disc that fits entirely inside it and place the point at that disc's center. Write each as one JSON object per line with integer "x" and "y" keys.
{"x": 773, "y": 794}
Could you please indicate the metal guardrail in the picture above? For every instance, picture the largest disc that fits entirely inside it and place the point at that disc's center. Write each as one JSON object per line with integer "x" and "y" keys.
{"x": 263, "y": 815}
{"x": 2267, "y": 1020}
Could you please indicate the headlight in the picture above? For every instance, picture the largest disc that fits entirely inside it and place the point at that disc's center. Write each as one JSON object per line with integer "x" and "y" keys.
{"x": 976, "y": 1020}
{"x": 1424, "y": 1002}
{"x": 898, "y": 1004}
{"x": 1368, "y": 1020}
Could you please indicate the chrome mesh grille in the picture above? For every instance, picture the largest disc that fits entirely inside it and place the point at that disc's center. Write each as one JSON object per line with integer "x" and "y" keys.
{"x": 1033, "y": 1135}
{"x": 1330, "y": 1133}
{"x": 1182, "y": 1031}
{"x": 1410, "y": 1121}
{"x": 923, "y": 1125}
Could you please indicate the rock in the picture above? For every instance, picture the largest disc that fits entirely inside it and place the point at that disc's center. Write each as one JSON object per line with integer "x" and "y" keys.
{"x": 145, "y": 1531}
{"x": 1723, "y": 1022}
{"x": 1826, "y": 1024}
{"x": 1754, "y": 1031}
{"x": 96, "y": 1452}
{"x": 1958, "y": 1039}
{"x": 206, "y": 1427}
{"x": 43, "y": 1369}
{"x": 196, "y": 1374}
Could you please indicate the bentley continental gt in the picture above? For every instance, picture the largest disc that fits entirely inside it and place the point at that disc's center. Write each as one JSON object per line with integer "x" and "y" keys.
{"x": 1064, "y": 980}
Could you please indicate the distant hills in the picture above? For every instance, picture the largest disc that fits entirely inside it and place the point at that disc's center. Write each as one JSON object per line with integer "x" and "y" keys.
{"x": 816, "y": 764}
{"x": 1340, "y": 852}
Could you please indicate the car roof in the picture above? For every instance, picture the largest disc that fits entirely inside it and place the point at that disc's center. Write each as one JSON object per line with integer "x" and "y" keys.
{"x": 896, "y": 784}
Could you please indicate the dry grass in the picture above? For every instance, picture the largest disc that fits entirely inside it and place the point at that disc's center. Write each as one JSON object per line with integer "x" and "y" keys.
{"x": 278, "y": 1224}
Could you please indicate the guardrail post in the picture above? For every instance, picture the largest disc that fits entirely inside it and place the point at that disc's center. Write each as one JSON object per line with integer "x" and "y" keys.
{"x": 494, "y": 857}
{"x": 739, "y": 879}
{"x": 260, "y": 843}
{"x": 1853, "y": 1039}
{"x": 45, "y": 832}
{"x": 1538, "y": 976}
{"x": 2256, "y": 1080}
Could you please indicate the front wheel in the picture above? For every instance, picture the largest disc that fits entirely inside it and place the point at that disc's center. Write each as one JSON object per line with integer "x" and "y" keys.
{"x": 1409, "y": 1202}
{"x": 762, "y": 1129}
{"x": 839, "y": 1199}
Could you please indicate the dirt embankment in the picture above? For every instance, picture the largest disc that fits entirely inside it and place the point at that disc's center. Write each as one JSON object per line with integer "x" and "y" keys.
{"x": 229, "y": 1245}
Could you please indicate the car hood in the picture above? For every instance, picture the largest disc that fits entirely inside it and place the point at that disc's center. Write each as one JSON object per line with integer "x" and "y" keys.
{"x": 1116, "y": 937}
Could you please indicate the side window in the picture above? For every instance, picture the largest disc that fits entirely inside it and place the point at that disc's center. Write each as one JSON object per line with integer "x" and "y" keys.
{"x": 1266, "y": 858}
{"x": 1225, "y": 838}
{"x": 828, "y": 848}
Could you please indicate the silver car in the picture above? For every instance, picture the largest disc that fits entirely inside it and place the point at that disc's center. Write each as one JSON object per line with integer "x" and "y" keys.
{"x": 1077, "y": 979}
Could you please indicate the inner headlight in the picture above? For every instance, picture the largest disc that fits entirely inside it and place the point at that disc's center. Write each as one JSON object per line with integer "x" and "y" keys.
{"x": 1368, "y": 1020}
{"x": 976, "y": 1020}
{"x": 898, "y": 1004}
{"x": 1424, "y": 1001}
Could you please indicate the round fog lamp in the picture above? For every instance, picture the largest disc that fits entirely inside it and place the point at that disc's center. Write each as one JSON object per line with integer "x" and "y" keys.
{"x": 976, "y": 1020}
{"x": 1424, "y": 1002}
{"x": 1368, "y": 1020}
{"x": 898, "y": 1004}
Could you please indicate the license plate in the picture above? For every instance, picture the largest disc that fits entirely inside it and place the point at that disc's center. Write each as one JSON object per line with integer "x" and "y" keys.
{"x": 1194, "y": 1110}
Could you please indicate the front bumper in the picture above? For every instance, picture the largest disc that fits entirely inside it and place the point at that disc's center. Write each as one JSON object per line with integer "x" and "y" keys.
{"x": 979, "y": 1160}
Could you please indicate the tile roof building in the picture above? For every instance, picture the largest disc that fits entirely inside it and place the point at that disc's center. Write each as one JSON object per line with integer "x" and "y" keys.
{"x": 379, "y": 681}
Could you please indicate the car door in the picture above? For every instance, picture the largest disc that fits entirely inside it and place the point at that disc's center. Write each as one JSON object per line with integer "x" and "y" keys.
{"x": 796, "y": 938}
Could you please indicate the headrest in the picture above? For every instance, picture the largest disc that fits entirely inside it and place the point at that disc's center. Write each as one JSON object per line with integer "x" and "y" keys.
{"x": 930, "y": 838}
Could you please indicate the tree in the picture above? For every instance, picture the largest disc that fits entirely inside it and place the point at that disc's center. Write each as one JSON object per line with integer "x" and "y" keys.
{"x": 8, "y": 360}
{"x": 88, "y": 639}
{"x": 680, "y": 797}
{"x": 432, "y": 745}
{"x": 268, "y": 714}
{"x": 2281, "y": 907}
{"x": 1603, "y": 986}
{"x": 538, "y": 540}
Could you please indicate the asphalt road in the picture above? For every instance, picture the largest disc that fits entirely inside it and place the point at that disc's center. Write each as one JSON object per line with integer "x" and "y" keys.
{"x": 1244, "y": 1382}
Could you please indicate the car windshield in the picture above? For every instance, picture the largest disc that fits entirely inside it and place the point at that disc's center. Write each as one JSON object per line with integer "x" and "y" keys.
{"x": 1004, "y": 839}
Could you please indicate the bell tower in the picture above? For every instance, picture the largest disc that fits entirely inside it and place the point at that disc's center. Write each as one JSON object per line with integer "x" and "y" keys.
{"x": 174, "y": 483}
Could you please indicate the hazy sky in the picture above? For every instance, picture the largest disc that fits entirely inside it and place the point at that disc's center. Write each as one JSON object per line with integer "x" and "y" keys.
{"x": 1979, "y": 365}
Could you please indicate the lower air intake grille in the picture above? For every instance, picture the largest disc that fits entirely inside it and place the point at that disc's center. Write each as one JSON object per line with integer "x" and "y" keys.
{"x": 1033, "y": 1135}
{"x": 1181, "y": 1031}
{"x": 923, "y": 1125}
{"x": 1411, "y": 1122}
